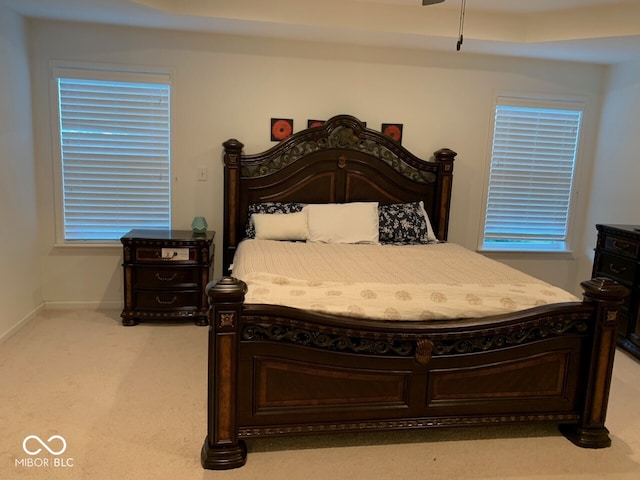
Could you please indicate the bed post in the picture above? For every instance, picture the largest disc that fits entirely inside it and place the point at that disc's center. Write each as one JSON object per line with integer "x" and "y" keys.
{"x": 445, "y": 158}
{"x": 591, "y": 431}
{"x": 232, "y": 151}
{"x": 222, "y": 449}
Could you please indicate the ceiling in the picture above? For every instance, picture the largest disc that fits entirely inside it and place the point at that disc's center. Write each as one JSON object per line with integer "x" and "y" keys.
{"x": 597, "y": 31}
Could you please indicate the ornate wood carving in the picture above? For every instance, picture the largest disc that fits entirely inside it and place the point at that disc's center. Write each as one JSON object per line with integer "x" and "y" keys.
{"x": 408, "y": 345}
{"x": 545, "y": 328}
{"x": 227, "y": 319}
{"x": 341, "y": 342}
{"x": 405, "y": 424}
{"x": 342, "y": 137}
{"x": 424, "y": 349}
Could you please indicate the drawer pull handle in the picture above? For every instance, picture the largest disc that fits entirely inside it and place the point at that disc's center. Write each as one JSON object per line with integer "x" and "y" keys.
{"x": 162, "y": 257}
{"x": 166, "y": 279}
{"x": 166, "y": 302}
{"x": 618, "y": 270}
{"x": 620, "y": 246}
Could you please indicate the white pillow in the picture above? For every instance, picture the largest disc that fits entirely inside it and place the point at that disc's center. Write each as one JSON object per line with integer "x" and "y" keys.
{"x": 355, "y": 222}
{"x": 280, "y": 226}
{"x": 431, "y": 236}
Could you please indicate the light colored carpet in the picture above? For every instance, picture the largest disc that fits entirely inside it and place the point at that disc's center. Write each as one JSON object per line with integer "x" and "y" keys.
{"x": 131, "y": 404}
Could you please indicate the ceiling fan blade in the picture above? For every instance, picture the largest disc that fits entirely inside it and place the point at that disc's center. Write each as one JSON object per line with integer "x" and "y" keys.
{"x": 431, "y": 2}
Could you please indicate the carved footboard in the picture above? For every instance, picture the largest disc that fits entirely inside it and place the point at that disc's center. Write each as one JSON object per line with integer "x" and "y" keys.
{"x": 276, "y": 370}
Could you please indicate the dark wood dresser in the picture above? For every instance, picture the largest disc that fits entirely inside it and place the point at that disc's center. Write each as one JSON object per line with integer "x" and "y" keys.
{"x": 165, "y": 274}
{"x": 618, "y": 257}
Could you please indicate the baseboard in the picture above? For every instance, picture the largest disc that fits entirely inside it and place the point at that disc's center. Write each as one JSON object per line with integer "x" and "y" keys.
{"x": 58, "y": 306}
{"x": 21, "y": 323}
{"x": 83, "y": 305}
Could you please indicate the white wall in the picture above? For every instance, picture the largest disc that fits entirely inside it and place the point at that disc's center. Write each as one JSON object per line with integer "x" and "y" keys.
{"x": 615, "y": 192}
{"x": 20, "y": 292}
{"x": 230, "y": 86}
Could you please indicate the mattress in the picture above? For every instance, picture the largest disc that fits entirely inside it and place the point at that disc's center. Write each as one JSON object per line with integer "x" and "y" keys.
{"x": 387, "y": 282}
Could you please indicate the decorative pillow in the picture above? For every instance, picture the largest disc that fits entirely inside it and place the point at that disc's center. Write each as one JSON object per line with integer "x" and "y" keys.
{"x": 281, "y": 226}
{"x": 405, "y": 223}
{"x": 269, "y": 207}
{"x": 355, "y": 222}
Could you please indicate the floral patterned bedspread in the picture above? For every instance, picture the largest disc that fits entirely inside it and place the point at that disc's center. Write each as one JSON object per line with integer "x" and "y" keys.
{"x": 413, "y": 282}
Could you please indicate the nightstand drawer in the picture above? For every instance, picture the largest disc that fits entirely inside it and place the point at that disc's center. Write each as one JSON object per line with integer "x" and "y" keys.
{"x": 166, "y": 254}
{"x": 616, "y": 267}
{"x": 167, "y": 300}
{"x": 622, "y": 246}
{"x": 159, "y": 277}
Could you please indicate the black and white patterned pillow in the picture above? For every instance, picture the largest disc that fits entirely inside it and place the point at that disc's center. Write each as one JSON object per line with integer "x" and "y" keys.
{"x": 403, "y": 223}
{"x": 269, "y": 207}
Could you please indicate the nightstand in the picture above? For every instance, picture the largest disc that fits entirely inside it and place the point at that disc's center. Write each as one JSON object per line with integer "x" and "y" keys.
{"x": 165, "y": 274}
{"x": 618, "y": 257}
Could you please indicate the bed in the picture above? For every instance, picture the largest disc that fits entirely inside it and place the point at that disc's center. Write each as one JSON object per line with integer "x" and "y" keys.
{"x": 279, "y": 367}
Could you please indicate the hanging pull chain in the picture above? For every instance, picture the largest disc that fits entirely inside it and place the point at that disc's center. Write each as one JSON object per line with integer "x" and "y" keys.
{"x": 461, "y": 27}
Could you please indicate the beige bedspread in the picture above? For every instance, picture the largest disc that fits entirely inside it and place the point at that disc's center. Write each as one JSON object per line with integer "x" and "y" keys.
{"x": 414, "y": 282}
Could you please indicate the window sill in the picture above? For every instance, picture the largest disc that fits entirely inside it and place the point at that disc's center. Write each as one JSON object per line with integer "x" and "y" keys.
{"x": 89, "y": 245}
{"x": 527, "y": 254}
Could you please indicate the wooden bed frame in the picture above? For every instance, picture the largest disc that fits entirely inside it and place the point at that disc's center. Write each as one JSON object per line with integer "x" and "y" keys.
{"x": 275, "y": 370}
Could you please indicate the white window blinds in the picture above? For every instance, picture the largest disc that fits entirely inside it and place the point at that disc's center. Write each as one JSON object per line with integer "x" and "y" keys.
{"x": 115, "y": 152}
{"x": 531, "y": 177}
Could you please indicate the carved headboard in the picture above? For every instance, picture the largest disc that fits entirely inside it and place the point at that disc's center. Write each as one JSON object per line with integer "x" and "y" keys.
{"x": 340, "y": 161}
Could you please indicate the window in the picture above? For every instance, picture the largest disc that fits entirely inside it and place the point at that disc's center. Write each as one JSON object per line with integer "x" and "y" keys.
{"x": 531, "y": 175}
{"x": 114, "y": 165}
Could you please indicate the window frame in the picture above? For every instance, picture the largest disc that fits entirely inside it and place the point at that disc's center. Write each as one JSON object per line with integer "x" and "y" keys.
{"x": 551, "y": 102}
{"x": 98, "y": 72}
